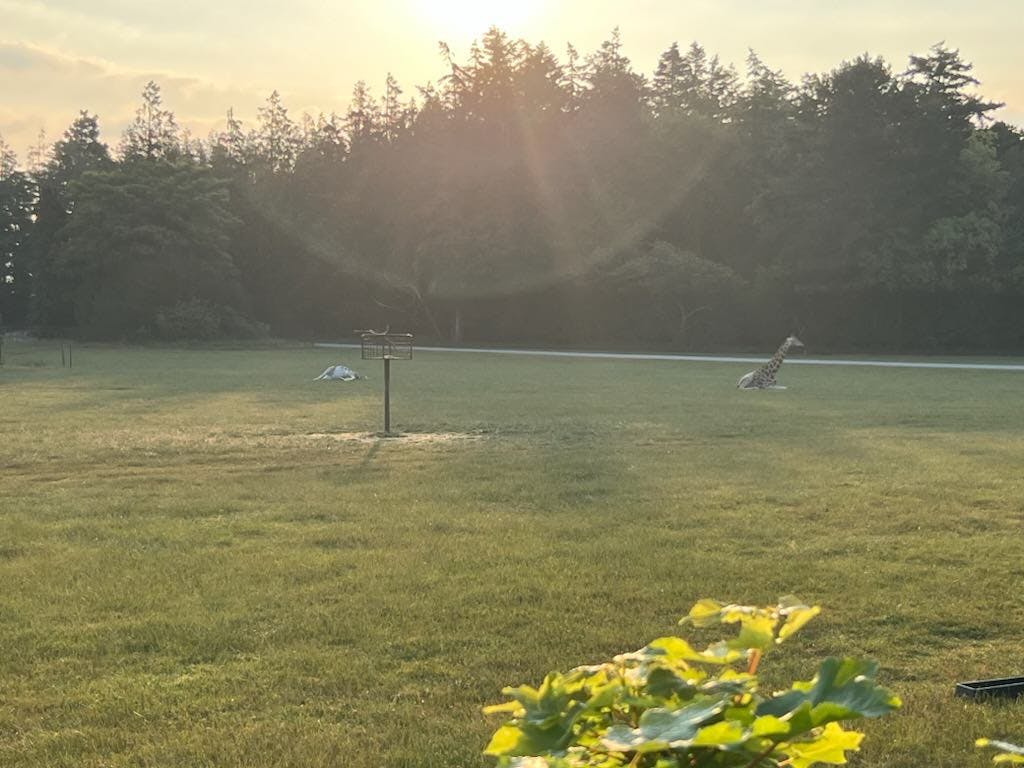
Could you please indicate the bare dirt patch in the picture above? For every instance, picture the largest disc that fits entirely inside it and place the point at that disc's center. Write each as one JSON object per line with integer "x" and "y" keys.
{"x": 148, "y": 441}
{"x": 402, "y": 437}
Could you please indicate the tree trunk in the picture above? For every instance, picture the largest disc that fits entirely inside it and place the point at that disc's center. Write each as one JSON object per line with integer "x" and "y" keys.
{"x": 457, "y": 326}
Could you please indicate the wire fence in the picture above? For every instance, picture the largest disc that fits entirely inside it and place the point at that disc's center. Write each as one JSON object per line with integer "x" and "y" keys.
{"x": 17, "y": 352}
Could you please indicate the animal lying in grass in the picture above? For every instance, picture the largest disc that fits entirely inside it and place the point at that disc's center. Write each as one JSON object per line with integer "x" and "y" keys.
{"x": 764, "y": 377}
{"x": 338, "y": 373}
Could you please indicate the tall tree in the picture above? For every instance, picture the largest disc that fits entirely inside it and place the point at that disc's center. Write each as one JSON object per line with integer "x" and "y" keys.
{"x": 396, "y": 117}
{"x": 363, "y": 118}
{"x": 78, "y": 152}
{"x": 572, "y": 81}
{"x": 127, "y": 265}
{"x": 277, "y": 140}
{"x": 610, "y": 76}
{"x": 39, "y": 153}
{"x": 17, "y": 196}
{"x": 153, "y": 134}
{"x": 693, "y": 84}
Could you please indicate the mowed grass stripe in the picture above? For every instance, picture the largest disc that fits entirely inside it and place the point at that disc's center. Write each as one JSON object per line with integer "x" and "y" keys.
{"x": 201, "y": 566}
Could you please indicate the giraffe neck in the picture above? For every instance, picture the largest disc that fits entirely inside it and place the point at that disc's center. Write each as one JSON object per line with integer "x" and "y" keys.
{"x": 778, "y": 357}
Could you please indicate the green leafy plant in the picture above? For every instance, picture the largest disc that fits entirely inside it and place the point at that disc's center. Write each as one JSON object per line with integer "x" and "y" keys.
{"x": 669, "y": 705}
{"x": 1008, "y": 753}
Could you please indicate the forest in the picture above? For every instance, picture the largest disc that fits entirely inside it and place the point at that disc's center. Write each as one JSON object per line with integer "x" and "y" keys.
{"x": 532, "y": 198}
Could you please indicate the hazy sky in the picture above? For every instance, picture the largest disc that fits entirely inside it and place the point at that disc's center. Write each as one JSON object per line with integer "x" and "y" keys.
{"x": 60, "y": 56}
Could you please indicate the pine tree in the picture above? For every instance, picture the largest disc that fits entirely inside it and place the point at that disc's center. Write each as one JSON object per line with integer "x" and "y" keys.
{"x": 229, "y": 148}
{"x": 323, "y": 139}
{"x": 153, "y": 134}
{"x": 39, "y": 153}
{"x": 277, "y": 141}
{"x": 573, "y": 79}
{"x": 363, "y": 119}
{"x": 611, "y": 79}
{"x": 79, "y": 151}
{"x": 394, "y": 116}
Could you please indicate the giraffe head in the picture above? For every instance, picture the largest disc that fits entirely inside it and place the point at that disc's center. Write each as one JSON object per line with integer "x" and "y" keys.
{"x": 793, "y": 341}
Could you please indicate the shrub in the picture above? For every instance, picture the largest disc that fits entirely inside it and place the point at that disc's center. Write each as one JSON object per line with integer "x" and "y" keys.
{"x": 670, "y": 705}
{"x": 196, "y": 319}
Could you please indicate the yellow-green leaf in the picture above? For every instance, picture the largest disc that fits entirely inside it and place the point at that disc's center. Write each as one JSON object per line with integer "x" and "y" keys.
{"x": 704, "y": 613}
{"x": 755, "y": 632}
{"x": 796, "y": 618}
{"x": 513, "y": 707}
{"x": 830, "y": 747}
{"x": 769, "y": 725}
{"x": 723, "y": 734}
{"x": 503, "y": 741}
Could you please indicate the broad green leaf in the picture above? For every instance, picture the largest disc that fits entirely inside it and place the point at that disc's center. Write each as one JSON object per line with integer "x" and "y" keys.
{"x": 666, "y": 683}
{"x": 842, "y": 690}
{"x": 830, "y": 747}
{"x": 546, "y": 723}
{"x": 735, "y": 686}
{"x": 527, "y": 739}
{"x": 661, "y": 729}
{"x": 605, "y": 695}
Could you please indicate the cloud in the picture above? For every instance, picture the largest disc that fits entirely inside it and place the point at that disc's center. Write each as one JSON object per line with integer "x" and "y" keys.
{"x": 45, "y": 88}
{"x": 19, "y": 58}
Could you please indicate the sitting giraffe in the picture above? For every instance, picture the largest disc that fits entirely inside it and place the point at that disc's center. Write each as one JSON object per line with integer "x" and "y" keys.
{"x": 764, "y": 377}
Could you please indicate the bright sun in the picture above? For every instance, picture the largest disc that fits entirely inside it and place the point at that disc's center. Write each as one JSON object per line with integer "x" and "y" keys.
{"x": 472, "y": 17}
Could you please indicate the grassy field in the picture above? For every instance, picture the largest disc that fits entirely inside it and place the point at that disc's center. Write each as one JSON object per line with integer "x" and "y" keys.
{"x": 203, "y": 562}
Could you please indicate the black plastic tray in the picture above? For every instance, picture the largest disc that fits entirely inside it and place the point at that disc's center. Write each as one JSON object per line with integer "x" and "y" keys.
{"x": 1000, "y": 687}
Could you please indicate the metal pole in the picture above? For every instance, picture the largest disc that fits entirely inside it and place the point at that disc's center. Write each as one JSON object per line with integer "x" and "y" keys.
{"x": 63, "y": 362}
{"x": 70, "y": 365}
{"x": 387, "y": 396}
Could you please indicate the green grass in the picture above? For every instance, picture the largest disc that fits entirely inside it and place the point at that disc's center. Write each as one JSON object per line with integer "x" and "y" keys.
{"x": 198, "y": 568}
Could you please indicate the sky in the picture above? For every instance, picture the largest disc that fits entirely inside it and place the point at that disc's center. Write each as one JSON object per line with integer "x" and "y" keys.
{"x": 61, "y": 56}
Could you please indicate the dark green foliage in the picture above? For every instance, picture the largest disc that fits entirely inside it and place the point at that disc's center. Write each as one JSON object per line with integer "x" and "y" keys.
{"x": 197, "y": 319}
{"x": 17, "y": 197}
{"x": 78, "y": 152}
{"x": 530, "y": 199}
{"x": 144, "y": 237}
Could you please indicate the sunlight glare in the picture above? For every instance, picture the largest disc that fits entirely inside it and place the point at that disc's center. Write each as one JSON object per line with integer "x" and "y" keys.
{"x": 473, "y": 17}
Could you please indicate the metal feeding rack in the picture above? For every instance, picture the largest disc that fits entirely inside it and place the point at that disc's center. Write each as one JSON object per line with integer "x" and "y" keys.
{"x": 382, "y": 345}
{"x": 386, "y": 346}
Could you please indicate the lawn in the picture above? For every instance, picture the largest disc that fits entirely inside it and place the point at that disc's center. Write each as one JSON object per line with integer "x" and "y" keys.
{"x": 203, "y": 562}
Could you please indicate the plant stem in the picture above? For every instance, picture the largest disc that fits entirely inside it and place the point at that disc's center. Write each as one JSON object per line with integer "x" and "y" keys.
{"x": 755, "y": 659}
{"x": 757, "y": 759}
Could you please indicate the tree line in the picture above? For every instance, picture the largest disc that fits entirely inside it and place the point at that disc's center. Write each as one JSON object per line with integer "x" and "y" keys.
{"x": 526, "y": 197}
